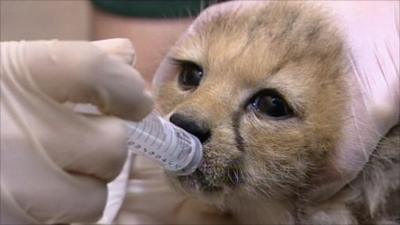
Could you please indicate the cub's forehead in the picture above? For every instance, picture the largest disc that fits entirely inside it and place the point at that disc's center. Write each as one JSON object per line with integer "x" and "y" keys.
{"x": 216, "y": 23}
{"x": 258, "y": 30}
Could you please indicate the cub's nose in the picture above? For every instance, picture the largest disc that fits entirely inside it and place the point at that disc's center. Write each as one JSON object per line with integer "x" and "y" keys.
{"x": 201, "y": 132}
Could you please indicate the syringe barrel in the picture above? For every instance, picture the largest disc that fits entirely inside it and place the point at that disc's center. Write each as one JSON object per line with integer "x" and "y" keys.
{"x": 175, "y": 149}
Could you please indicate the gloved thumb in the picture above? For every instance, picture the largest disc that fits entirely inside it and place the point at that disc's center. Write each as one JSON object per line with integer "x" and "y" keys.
{"x": 119, "y": 47}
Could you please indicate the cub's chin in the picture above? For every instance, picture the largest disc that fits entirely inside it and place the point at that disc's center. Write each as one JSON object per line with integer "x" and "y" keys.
{"x": 216, "y": 178}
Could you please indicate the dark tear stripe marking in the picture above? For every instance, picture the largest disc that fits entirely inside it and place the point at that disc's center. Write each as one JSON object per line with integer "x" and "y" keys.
{"x": 236, "y": 119}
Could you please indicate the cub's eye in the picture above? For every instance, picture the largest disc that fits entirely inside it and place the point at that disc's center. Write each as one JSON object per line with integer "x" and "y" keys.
{"x": 270, "y": 103}
{"x": 190, "y": 76}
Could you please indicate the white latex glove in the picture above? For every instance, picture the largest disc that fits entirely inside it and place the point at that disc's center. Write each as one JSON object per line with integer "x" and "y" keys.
{"x": 55, "y": 163}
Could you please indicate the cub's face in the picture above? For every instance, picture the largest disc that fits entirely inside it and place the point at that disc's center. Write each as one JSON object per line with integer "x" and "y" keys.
{"x": 261, "y": 86}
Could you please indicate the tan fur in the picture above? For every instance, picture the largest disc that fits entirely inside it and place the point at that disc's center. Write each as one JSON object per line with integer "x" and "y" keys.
{"x": 293, "y": 48}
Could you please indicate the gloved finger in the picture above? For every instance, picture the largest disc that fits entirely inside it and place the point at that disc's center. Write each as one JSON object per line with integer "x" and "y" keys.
{"x": 78, "y": 190}
{"x": 81, "y": 72}
{"x": 98, "y": 149}
{"x": 90, "y": 145}
{"x": 123, "y": 49}
{"x": 119, "y": 47}
{"x": 90, "y": 196}
{"x": 105, "y": 154}
{"x": 53, "y": 195}
{"x": 123, "y": 95}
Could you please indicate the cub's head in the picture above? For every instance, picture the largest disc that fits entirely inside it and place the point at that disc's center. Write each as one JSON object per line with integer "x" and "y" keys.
{"x": 261, "y": 85}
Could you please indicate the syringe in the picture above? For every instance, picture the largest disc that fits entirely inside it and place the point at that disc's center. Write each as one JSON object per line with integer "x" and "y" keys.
{"x": 175, "y": 149}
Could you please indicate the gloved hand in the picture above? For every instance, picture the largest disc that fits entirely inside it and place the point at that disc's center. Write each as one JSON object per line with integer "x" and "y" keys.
{"x": 55, "y": 163}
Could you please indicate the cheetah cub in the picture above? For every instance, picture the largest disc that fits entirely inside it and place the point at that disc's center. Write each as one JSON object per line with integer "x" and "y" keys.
{"x": 265, "y": 87}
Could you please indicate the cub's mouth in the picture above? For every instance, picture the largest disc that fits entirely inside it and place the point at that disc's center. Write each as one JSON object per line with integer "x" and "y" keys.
{"x": 222, "y": 164}
{"x": 197, "y": 181}
{"x": 216, "y": 174}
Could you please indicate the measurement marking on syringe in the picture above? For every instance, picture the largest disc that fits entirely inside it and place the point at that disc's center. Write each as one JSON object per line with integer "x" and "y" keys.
{"x": 140, "y": 129}
{"x": 154, "y": 139}
{"x": 147, "y": 132}
{"x": 180, "y": 143}
{"x": 150, "y": 132}
{"x": 162, "y": 133}
{"x": 169, "y": 143}
{"x": 143, "y": 131}
{"x": 158, "y": 132}
{"x": 160, "y": 128}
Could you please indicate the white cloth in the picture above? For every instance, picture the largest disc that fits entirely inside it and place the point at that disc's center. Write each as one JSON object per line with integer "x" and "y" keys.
{"x": 372, "y": 35}
{"x": 117, "y": 192}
